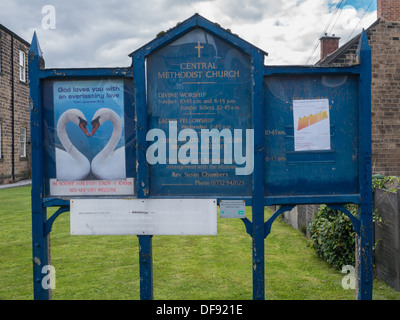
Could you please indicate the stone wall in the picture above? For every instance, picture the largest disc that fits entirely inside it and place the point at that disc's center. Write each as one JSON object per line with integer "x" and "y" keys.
{"x": 14, "y": 108}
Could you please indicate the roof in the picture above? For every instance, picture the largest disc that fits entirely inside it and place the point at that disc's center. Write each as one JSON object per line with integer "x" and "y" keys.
{"x": 14, "y": 34}
{"x": 344, "y": 48}
{"x": 196, "y": 21}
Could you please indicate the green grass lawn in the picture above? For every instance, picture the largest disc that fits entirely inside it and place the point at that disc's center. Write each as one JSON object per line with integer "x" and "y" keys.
{"x": 184, "y": 267}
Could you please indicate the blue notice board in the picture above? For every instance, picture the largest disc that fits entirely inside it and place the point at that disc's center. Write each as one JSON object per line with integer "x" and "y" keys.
{"x": 199, "y": 116}
{"x": 311, "y": 135}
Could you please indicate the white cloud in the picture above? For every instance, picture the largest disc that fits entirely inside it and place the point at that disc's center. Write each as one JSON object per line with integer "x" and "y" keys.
{"x": 103, "y": 33}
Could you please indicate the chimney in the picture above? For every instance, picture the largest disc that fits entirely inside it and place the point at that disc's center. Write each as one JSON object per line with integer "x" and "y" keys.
{"x": 329, "y": 44}
{"x": 388, "y": 10}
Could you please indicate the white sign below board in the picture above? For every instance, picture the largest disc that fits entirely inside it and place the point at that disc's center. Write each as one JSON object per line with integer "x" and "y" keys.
{"x": 232, "y": 209}
{"x": 143, "y": 216}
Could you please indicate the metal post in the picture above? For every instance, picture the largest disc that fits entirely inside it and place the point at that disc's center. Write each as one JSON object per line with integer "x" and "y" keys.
{"x": 258, "y": 255}
{"x": 146, "y": 267}
{"x": 40, "y": 242}
{"x": 364, "y": 267}
{"x": 145, "y": 242}
{"x": 258, "y": 178}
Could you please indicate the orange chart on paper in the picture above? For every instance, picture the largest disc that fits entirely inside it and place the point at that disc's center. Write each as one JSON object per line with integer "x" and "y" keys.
{"x": 309, "y": 120}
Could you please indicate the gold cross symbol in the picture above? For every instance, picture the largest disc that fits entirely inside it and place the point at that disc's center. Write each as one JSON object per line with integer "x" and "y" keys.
{"x": 199, "y": 47}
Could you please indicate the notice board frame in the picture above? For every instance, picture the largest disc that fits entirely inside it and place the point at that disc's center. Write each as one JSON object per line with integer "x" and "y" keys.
{"x": 256, "y": 200}
{"x": 258, "y": 229}
{"x": 40, "y": 201}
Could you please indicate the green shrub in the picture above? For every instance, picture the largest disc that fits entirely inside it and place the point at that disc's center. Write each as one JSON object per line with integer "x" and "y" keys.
{"x": 389, "y": 183}
{"x": 333, "y": 237}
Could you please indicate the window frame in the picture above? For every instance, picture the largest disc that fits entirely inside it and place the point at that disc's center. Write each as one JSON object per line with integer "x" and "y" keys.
{"x": 22, "y": 66}
{"x": 1, "y": 140}
{"x": 1, "y": 54}
{"x": 22, "y": 142}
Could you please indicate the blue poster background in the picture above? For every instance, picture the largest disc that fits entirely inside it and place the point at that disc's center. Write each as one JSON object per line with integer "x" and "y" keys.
{"x": 89, "y": 96}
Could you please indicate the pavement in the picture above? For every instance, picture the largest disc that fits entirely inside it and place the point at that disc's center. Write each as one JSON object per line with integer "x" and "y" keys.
{"x": 16, "y": 184}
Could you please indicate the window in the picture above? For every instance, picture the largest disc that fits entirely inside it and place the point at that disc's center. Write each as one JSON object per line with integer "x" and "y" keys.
{"x": 22, "y": 67}
{"x": 22, "y": 141}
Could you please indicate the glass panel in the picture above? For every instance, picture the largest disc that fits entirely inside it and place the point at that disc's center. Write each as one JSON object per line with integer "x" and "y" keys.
{"x": 89, "y": 137}
{"x": 311, "y": 135}
{"x": 23, "y": 142}
{"x": 22, "y": 58}
{"x": 199, "y": 86}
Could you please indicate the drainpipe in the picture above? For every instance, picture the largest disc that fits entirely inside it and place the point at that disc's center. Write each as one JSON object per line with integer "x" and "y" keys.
{"x": 12, "y": 111}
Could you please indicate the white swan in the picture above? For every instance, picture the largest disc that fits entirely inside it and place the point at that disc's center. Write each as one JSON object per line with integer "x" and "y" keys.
{"x": 109, "y": 164}
{"x": 71, "y": 164}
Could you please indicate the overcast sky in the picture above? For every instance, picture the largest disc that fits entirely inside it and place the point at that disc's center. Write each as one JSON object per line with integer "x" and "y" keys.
{"x": 102, "y": 33}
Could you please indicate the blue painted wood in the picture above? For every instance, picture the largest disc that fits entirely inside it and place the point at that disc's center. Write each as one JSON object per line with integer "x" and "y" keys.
{"x": 258, "y": 180}
{"x": 309, "y": 70}
{"x": 49, "y": 223}
{"x": 86, "y": 73}
{"x": 145, "y": 242}
{"x": 354, "y": 220}
{"x": 248, "y": 225}
{"x": 327, "y": 173}
{"x": 313, "y": 199}
{"x": 270, "y": 221}
{"x": 364, "y": 253}
{"x": 40, "y": 242}
{"x": 138, "y": 62}
{"x": 197, "y": 21}
{"x": 55, "y": 202}
{"x": 300, "y": 82}
{"x": 146, "y": 267}
{"x": 41, "y": 226}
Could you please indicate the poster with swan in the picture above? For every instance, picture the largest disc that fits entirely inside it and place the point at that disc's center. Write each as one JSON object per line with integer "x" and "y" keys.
{"x": 89, "y": 138}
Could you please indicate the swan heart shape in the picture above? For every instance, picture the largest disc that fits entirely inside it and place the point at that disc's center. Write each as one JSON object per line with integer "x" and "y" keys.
{"x": 108, "y": 164}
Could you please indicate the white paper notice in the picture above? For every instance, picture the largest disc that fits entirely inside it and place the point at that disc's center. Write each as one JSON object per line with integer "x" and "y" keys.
{"x": 311, "y": 125}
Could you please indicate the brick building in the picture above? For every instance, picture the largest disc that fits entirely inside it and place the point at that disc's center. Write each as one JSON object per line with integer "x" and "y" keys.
{"x": 384, "y": 39}
{"x": 14, "y": 108}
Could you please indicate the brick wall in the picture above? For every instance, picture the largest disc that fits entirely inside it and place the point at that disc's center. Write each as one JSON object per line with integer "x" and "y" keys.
{"x": 328, "y": 45}
{"x": 20, "y": 105}
{"x": 385, "y": 45}
{"x": 389, "y": 10}
{"x": 384, "y": 39}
